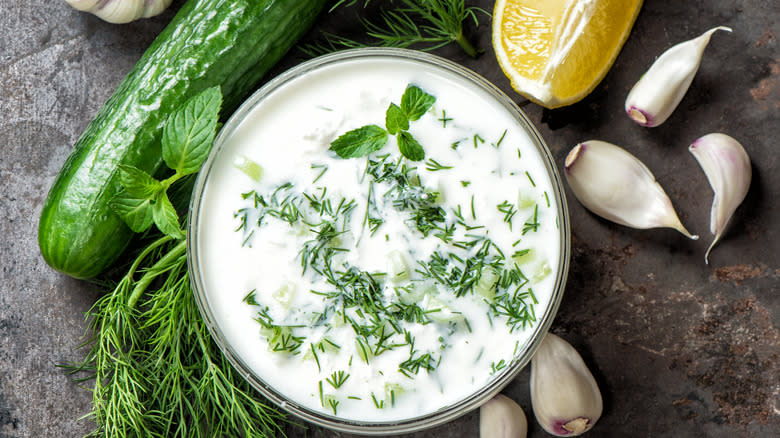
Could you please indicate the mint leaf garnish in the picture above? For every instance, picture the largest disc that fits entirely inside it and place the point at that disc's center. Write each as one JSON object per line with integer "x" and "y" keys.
{"x": 138, "y": 183}
{"x": 187, "y": 137}
{"x": 190, "y": 130}
{"x": 136, "y": 212}
{"x": 371, "y": 138}
{"x": 396, "y": 120}
{"x": 359, "y": 142}
{"x": 415, "y": 102}
{"x": 165, "y": 216}
{"x": 410, "y": 147}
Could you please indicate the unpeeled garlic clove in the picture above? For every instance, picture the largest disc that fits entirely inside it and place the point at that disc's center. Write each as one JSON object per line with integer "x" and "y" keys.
{"x": 121, "y": 11}
{"x": 615, "y": 185}
{"x": 501, "y": 417}
{"x": 662, "y": 87}
{"x": 727, "y": 167}
{"x": 565, "y": 397}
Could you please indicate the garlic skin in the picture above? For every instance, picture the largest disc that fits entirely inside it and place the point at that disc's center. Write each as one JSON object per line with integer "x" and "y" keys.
{"x": 662, "y": 87}
{"x": 727, "y": 167}
{"x": 565, "y": 397}
{"x": 501, "y": 417}
{"x": 121, "y": 11}
{"x": 615, "y": 185}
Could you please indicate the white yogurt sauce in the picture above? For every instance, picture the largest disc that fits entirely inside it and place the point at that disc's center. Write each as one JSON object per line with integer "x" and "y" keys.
{"x": 493, "y": 187}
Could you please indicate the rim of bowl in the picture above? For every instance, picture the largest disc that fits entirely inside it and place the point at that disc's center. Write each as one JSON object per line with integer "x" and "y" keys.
{"x": 446, "y": 413}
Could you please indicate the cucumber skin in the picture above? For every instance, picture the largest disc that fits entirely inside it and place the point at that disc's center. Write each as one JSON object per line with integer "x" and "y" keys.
{"x": 231, "y": 43}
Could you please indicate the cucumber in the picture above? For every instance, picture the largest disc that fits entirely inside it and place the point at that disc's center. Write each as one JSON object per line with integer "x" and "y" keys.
{"x": 231, "y": 43}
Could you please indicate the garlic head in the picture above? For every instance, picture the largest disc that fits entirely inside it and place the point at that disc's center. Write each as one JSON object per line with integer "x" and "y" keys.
{"x": 727, "y": 167}
{"x": 121, "y": 11}
{"x": 501, "y": 417}
{"x": 615, "y": 185}
{"x": 565, "y": 397}
{"x": 658, "y": 92}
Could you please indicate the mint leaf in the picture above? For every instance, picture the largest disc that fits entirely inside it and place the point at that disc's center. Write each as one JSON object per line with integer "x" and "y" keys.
{"x": 359, "y": 142}
{"x": 165, "y": 216}
{"x": 138, "y": 183}
{"x": 409, "y": 146}
{"x": 395, "y": 119}
{"x": 415, "y": 102}
{"x": 189, "y": 132}
{"x": 136, "y": 212}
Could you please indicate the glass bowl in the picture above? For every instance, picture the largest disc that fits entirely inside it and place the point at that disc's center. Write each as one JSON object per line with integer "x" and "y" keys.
{"x": 297, "y": 77}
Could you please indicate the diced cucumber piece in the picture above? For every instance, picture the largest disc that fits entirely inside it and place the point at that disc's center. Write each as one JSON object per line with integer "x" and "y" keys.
{"x": 486, "y": 285}
{"x": 524, "y": 256}
{"x": 438, "y": 311}
{"x": 397, "y": 269}
{"x": 542, "y": 271}
{"x": 525, "y": 200}
{"x": 249, "y": 167}
{"x": 284, "y": 295}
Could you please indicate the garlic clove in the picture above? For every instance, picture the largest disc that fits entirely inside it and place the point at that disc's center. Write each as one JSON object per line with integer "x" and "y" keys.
{"x": 658, "y": 92}
{"x": 727, "y": 167}
{"x": 155, "y": 7}
{"x": 615, "y": 185}
{"x": 565, "y": 397}
{"x": 501, "y": 417}
{"x": 121, "y": 11}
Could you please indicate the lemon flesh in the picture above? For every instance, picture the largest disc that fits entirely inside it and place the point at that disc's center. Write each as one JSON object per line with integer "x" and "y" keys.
{"x": 555, "y": 52}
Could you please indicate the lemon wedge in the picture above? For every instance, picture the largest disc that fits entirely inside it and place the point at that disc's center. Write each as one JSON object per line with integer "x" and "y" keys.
{"x": 555, "y": 52}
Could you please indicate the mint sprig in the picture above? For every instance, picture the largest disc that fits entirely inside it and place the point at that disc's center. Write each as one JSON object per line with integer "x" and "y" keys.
{"x": 360, "y": 142}
{"x": 370, "y": 138}
{"x": 187, "y": 137}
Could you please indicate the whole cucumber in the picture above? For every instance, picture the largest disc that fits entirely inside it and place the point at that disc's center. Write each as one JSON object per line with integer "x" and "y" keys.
{"x": 231, "y": 43}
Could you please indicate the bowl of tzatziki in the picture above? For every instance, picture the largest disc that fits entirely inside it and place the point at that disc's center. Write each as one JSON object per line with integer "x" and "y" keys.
{"x": 378, "y": 240}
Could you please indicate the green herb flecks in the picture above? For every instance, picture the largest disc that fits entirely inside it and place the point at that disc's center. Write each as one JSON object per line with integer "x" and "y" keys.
{"x": 509, "y": 211}
{"x": 434, "y": 166}
{"x": 337, "y": 379}
{"x": 532, "y": 224}
{"x": 444, "y": 119}
{"x": 406, "y": 193}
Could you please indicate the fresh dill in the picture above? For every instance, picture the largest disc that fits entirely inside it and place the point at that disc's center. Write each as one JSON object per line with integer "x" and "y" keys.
{"x": 478, "y": 140}
{"x": 322, "y": 168}
{"x": 444, "y": 119}
{"x": 509, "y": 211}
{"x": 501, "y": 139}
{"x": 380, "y": 404}
{"x": 337, "y": 379}
{"x": 433, "y": 165}
{"x": 422, "y": 24}
{"x": 530, "y": 178}
{"x": 532, "y": 224}
{"x": 496, "y": 367}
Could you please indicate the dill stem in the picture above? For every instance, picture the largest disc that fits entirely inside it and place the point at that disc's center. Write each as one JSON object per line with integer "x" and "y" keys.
{"x": 154, "y": 245}
{"x": 466, "y": 45}
{"x": 159, "y": 267}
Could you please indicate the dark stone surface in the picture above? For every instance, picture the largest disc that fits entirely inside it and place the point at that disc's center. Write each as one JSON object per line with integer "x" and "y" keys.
{"x": 679, "y": 348}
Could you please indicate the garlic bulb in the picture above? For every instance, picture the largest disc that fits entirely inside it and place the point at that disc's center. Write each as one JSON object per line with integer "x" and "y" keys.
{"x": 662, "y": 87}
{"x": 121, "y": 11}
{"x": 727, "y": 167}
{"x": 615, "y": 185}
{"x": 501, "y": 417}
{"x": 565, "y": 397}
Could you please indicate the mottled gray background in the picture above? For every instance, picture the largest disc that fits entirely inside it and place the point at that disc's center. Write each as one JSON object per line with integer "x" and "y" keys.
{"x": 680, "y": 349}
